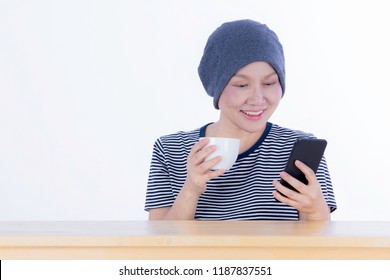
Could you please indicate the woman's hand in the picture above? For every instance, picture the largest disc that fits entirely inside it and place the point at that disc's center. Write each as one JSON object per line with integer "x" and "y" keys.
{"x": 308, "y": 199}
{"x": 198, "y": 170}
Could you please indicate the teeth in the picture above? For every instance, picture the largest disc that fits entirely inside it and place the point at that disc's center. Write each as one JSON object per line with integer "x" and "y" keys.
{"x": 252, "y": 113}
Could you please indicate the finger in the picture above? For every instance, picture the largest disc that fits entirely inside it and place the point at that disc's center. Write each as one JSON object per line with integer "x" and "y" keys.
{"x": 201, "y": 156}
{"x": 278, "y": 196}
{"x": 288, "y": 193}
{"x": 206, "y": 166}
{"x": 209, "y": 164}
{"x": 306, "y": 170}
{"x": 286, "y": 200}
{"x": 291, "y": 198}
{"x": 200, "y": 151}
{"x": 298, "y": 185}
{"x": 214, "y": 174}
{"x": 199, "y": 146}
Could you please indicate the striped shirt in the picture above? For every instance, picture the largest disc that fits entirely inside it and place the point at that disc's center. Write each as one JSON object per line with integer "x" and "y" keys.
{"x": 244, "y": 192}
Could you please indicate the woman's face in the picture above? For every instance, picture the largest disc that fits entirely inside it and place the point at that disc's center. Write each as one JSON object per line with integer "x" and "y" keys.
{"x": 250, "y": 98}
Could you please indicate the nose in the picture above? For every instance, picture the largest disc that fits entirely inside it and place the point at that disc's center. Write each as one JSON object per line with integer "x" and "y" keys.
{"x": 256, "y": 96}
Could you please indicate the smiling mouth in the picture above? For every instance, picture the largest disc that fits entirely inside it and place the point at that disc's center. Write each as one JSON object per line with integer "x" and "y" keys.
{"x": 252, "y": 113}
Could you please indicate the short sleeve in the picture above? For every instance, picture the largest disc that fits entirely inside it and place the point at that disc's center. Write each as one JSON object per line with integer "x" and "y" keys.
{"x": 323, "y": 177}
{"x": 159, "y": 191}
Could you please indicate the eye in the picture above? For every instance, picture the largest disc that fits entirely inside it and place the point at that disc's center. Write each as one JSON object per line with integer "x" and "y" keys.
{"x": 241, "y": 85}
{"x": 271, "y": 83}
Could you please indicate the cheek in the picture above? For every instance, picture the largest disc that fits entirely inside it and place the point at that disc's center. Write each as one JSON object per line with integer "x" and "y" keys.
{"x": 275, "y": 96}
{"x": 230, "y": 98}
{"x": 279, "y": 92}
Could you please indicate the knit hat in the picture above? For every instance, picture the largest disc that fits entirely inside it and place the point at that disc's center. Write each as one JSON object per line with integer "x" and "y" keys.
{"x": 234, "y": 45}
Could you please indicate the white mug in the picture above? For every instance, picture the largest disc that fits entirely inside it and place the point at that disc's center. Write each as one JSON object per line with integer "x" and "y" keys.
{"x": 227, "y": 148}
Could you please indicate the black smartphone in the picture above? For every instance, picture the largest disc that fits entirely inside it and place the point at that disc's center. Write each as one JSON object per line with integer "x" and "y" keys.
{"x": 310, "y": 152}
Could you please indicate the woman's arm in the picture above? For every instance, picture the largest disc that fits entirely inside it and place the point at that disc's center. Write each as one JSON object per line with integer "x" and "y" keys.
{"x": 198, "y": 174}
{"x": 183, "y": 208}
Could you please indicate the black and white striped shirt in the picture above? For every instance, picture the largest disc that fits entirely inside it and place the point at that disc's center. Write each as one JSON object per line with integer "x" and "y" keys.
{"x": 242, "y": 193}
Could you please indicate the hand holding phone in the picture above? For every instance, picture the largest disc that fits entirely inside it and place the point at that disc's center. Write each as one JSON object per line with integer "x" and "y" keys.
{"x": 310, "y": 152}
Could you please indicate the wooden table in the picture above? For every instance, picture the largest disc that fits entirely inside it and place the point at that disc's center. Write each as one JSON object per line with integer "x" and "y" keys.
{"x": 194, "y": 240}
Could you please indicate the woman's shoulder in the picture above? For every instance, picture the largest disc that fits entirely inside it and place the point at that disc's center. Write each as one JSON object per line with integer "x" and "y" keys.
{"x": 281, "y": 133}
{"x": 181, "y": 136}
{"x": 179, "y": 140}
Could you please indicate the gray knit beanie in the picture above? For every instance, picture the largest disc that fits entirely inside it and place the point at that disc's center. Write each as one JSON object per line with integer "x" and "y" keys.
{"x": 234, "y": 45}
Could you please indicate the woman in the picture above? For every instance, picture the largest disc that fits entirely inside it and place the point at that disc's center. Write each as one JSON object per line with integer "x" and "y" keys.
{"x": 242, "y": 68}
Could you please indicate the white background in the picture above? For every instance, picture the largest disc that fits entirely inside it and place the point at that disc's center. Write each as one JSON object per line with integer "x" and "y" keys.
{"x": 87, "y": 86}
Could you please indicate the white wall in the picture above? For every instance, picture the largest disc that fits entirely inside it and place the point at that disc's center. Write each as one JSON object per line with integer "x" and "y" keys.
{"x": 87, "y": 86}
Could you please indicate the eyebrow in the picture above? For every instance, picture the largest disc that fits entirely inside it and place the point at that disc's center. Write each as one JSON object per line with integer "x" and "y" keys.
{"x": 245, "y": 76}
